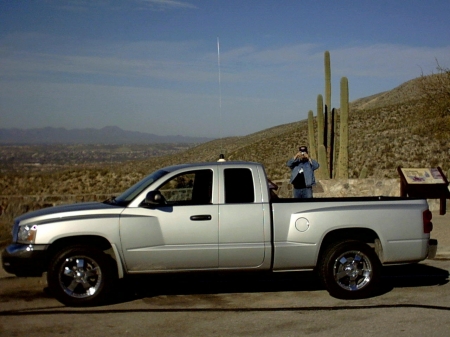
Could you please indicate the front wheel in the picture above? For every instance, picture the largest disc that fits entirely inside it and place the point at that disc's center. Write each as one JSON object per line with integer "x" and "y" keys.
{"x": 350, "y": 270}
{"x": 81, "y": 276}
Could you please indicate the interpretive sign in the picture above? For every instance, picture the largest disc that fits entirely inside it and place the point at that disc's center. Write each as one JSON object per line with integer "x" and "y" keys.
{"x": 423, "y": 176}
{"x": 427, "y": 183}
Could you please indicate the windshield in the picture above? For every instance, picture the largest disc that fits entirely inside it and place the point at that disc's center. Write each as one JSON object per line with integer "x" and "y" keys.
{"x": 137, "y": 188}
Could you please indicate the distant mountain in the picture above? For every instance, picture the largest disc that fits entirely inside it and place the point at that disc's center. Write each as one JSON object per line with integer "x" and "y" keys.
{"x": 106, "y": 135}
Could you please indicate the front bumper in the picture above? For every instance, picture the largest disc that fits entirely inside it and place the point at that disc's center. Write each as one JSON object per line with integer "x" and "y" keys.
{"x": 25, "y": 260}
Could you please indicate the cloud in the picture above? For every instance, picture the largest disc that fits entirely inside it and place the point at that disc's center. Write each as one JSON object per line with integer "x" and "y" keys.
{"x": 154, "y": 5}
{"x": 377, "y": 60}
{"x": 196, "y": 62}
{"x": 388, "y": 60}
{"x": 149, "y": 84}
{"x": 167, "y": 4}
{"x": 146, "y": 60}
{"x": 189, "y": 65}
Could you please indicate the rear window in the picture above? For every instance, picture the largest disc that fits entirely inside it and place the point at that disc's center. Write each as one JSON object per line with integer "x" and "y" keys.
{"x": 239, "y": 186}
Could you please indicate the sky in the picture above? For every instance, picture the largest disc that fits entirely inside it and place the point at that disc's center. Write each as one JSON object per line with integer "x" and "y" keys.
{"x": 208, "y": 68}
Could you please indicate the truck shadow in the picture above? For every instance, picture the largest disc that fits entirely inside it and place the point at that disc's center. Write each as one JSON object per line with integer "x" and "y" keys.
{"x": 215, "y": 283}
{"x": 399, "y": 276}
{"x": 412, "y": 275}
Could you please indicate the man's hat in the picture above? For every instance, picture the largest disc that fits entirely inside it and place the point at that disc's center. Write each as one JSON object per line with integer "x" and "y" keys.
{"x": 303, "y": 149}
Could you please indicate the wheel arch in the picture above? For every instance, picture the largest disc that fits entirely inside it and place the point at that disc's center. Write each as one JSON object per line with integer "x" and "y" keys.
{"x": 366, "y": 235}
{"x": 96, "y": 241}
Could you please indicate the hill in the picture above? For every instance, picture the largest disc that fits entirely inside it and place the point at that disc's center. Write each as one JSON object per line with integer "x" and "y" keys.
{"x": 106, "y": 135}
{"x": 401, "y": 127}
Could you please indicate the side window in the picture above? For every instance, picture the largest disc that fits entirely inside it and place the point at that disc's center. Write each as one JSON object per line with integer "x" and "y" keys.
{"x": 238, "y": 186}
{"x": 189, "y": 188}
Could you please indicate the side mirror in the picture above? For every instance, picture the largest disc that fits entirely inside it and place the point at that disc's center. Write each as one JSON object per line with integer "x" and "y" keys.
{"x": 154, "y": 198}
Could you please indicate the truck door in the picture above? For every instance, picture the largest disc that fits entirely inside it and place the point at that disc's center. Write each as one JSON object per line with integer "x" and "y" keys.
{"x": 180, "y": 234}
{"x": 241, "y": 221}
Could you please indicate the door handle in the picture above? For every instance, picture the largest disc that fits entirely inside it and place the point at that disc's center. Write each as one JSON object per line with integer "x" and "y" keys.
{"x": 201, "y": 217}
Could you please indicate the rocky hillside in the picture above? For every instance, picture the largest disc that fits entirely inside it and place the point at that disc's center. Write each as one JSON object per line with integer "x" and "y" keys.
{"x": 407, "y": 126}
{"x": 393, "y": 128}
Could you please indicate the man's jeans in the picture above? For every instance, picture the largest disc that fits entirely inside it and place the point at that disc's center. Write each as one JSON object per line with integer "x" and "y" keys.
{"x": 303, "y": 192}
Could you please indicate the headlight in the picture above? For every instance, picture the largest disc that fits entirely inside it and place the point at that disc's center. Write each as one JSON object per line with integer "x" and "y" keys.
{"x": 27, "y": 234}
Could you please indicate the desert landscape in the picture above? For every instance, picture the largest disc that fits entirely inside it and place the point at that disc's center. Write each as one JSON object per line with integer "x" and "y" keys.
{"x": 407, "y": 126}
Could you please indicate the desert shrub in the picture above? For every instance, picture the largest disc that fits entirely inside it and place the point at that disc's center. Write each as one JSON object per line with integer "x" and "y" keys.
{"x": 434, "y": 110}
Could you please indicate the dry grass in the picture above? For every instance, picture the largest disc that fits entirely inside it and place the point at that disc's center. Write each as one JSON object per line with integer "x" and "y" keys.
{"x": 407, "y": 126}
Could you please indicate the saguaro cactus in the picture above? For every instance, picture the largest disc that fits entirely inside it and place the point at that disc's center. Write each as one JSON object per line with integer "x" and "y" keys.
{"x": 332, "y": 152}
{"x": 327, "y": 64}
{"x": 326, "y": 130}
{"x": 320, "y": 121}
{"x": 343, "y": 140}
{"x": 329, "y": 122}
{"x": 322, "y": 172}
{"x": 363, "y": 173}
{"x": 311, "y": 138}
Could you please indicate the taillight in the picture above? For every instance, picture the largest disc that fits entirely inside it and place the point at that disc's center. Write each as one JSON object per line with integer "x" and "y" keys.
{"x": 427, "y": 224}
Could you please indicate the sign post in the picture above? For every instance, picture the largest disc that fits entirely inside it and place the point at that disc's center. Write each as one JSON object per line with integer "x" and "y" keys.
{"x": 427, "y": 183}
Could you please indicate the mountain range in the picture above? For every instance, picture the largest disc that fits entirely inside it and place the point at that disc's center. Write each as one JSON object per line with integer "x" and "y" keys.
{"x": 106, "y": 135}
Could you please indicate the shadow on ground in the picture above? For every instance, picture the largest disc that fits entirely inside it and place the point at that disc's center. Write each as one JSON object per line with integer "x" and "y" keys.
{"x": 139, "y": 287}
{"x": 399, "y": 276}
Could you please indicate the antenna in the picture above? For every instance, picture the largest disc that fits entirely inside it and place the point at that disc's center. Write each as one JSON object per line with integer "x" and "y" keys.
{"x": 221, "y": 157}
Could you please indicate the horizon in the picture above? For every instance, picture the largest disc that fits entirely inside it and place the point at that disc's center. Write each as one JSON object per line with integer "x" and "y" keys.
{"x": 8, "y": 137}
{"x": 153, "y": 66}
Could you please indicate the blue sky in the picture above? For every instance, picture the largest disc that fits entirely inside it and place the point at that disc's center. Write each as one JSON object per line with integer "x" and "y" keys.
{"x": 152, "y": 65}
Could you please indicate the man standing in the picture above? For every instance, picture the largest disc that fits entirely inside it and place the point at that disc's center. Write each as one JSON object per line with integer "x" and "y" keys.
{"x": 302, "y": 173}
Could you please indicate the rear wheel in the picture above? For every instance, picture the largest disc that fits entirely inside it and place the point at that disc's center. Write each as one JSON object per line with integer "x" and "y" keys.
{"x": 81, "y": 276}
{"x": 350, "y": 269}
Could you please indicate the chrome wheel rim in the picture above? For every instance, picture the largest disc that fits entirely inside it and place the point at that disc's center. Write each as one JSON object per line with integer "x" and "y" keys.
{"x": 80, "y": 276}
{"x": 352, "y": 270}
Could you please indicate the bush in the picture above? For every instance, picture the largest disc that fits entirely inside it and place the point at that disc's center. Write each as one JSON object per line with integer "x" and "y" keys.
{"x": 434, "y": 110}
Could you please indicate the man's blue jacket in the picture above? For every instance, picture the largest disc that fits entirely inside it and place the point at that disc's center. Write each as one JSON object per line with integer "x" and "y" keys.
{"x": 308, "y": 170}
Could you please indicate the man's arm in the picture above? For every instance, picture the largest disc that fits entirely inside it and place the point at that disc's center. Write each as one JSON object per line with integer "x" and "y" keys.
{"x": 291, "y": 163}
{"x": 314, "y": 164}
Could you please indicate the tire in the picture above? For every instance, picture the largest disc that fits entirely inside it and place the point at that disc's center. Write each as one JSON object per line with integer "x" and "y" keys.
{"x": 81, "y": 276}
{"x": 350, "y": 270}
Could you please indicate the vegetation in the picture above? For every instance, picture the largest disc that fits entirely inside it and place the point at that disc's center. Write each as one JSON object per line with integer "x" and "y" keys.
{"x": 407, "y": 126}
{"x": 435, "y": 90}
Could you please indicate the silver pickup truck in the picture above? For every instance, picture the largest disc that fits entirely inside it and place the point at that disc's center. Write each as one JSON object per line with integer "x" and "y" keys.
{"x": 220, "y": 216}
